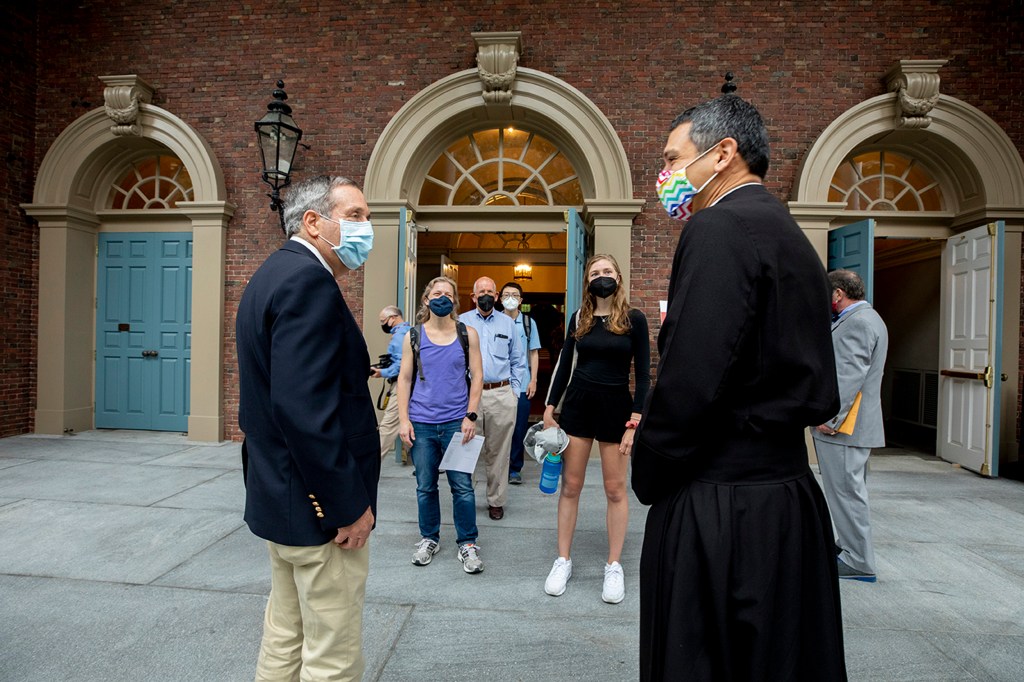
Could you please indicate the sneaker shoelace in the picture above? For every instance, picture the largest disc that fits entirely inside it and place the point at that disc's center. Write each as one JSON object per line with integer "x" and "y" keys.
{"x": 424, "y": 544}
{"x": 469, "y": 552}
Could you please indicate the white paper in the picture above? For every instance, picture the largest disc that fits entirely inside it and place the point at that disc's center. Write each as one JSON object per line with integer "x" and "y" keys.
{"x": 459, "y": 457}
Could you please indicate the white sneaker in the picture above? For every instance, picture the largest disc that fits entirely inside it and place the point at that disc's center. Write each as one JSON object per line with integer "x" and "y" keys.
{"x": 558, "y": 577}
{"x": 614, "y": 587}
{"x": 425, "y": 551}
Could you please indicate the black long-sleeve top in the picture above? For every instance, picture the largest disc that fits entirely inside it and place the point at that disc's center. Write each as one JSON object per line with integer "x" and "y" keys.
{"x": 604, "y": 358}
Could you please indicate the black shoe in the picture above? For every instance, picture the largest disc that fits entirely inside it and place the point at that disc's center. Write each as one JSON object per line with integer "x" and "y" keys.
{"x": 847, "y": 572}
{"x": 515, "y": 478}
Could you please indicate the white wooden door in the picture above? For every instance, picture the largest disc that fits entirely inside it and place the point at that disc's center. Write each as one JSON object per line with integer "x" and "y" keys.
{"x": 970, "y": 328}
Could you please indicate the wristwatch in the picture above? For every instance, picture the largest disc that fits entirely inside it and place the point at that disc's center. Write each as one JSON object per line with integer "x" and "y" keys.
{"x": 471, "y": 416}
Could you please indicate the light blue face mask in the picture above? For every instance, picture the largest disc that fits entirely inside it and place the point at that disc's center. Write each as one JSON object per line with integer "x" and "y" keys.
{"x": 355, "y": 244}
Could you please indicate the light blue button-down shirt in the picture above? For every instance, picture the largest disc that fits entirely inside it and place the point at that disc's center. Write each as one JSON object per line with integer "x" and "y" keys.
{"x": 529, "y": 344}
{"x": 503, "y": 353}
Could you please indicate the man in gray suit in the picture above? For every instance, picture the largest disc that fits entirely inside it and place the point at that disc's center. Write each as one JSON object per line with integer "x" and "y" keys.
{"x": 860, "y": 341}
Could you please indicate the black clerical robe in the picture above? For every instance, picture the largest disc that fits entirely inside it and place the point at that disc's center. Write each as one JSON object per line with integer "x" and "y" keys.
{"x": 738, "y": 576}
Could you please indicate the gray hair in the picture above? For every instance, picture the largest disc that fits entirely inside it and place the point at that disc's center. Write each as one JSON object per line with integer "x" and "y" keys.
{"x": 849, "y": 281}
{"x": 729, "y": 116}
{"x": 391, "y": 311}
{"x": 313, "y": 194}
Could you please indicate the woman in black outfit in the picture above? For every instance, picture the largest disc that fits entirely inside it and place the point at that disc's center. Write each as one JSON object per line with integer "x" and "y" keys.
{"x": 607, "y": 336}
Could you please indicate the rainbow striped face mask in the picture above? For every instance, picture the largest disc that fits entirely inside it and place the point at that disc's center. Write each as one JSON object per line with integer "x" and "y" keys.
{"x": 677, "y": 192}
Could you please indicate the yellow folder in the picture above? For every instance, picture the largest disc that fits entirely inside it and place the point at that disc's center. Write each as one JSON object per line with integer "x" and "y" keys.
{"x": 851, "y": 417}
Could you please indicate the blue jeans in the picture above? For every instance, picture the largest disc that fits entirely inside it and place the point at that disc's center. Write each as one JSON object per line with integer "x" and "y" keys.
{"x": 427, "y": 450}
{"x": 515, "y": 461}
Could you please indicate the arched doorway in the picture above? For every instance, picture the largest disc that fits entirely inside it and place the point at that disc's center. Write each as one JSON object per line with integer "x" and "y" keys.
{"x": 980, "y": 176}
{"x": 73, "y": 205}
{"x": 466, "y": 103}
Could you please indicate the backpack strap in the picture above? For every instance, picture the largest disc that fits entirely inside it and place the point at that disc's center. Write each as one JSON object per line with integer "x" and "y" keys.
{"x": 463, "y": 334}
{"x": 526, "y": 328}
{"x": 414, "y": 345}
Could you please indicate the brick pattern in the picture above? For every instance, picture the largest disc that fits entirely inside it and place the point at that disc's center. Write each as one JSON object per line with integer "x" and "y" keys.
{"x": 350, "y": 67}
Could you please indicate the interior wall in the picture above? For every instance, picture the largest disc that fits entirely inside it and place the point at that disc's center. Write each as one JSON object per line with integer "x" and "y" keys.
{"x": 907, "y": 299}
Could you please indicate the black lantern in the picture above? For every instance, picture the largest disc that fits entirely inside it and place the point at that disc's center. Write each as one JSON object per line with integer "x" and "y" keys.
{"x": 278, "y": 136}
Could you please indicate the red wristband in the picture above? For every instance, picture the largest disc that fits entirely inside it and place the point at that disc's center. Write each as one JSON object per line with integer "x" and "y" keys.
{"x": 632, "y": 424}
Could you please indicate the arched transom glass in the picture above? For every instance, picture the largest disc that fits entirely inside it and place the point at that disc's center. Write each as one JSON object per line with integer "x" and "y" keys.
{"x": 501, "y": 167}
{"x": 154, "y": 182}
{"x": 885, "y": 181}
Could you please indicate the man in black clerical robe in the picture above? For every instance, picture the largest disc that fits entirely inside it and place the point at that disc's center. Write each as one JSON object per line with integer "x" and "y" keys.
{"x": 738, "y": 576}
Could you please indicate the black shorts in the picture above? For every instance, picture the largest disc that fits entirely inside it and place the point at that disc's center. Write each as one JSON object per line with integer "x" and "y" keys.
{"x": 597, "y": 411}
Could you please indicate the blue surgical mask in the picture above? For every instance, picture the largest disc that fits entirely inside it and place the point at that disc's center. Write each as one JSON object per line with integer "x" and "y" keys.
{"x": 441, "y": 306}
{"x": 355, "y": 244}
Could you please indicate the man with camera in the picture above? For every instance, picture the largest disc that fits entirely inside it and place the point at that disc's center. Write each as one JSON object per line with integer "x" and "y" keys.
{"x": 391, "y": 322}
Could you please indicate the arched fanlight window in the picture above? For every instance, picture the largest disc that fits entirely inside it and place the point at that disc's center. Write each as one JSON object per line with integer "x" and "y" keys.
{"x": 885, "y": 181}
{"x": 501, "y": 167}
{"x": 155, "y": 182}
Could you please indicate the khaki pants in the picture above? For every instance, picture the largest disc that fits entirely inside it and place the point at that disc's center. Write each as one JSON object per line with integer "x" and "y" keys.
{"x": 496, "y": 423}
{"x": 313, "y": 625}
{"x": 389, "y": 424}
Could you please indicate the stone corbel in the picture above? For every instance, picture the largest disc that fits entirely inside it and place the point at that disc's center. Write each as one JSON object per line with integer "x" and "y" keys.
{"x": 497, "y": 56}
{"x": 121, "y": 99}
{"x": 916, "y": 84}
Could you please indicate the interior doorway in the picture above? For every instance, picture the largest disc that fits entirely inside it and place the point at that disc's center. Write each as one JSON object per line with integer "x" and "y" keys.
{"x": 536, "y": 261}
{"x": 907, "y": 279}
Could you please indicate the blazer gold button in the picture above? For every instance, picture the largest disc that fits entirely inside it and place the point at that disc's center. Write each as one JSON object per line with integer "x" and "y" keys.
{"x": 319, "y": 515}
{"x": 312, "y": 496}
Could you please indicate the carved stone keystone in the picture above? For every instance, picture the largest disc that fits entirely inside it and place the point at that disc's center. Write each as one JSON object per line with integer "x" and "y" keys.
{"x": 121, "y": 100}
{"x": 497, "y": 56}
{"x": 916, "y": 83}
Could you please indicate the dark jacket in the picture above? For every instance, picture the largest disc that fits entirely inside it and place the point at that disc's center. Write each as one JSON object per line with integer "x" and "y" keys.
{"x": 311, "y": 454}
{"x": 746, "y": 355}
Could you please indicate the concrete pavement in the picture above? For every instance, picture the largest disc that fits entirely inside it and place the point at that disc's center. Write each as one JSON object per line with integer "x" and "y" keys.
{"x": 123, "y": 556}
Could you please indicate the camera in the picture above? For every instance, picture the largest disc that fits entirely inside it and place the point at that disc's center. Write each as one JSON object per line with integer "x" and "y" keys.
{"x": 383, "y": 362}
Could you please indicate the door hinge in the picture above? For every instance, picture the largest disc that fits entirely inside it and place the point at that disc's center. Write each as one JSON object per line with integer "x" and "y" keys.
{"x": 988, "y": 376}
{"x": 565, "y": 217}
{"x": 984, "y": 469}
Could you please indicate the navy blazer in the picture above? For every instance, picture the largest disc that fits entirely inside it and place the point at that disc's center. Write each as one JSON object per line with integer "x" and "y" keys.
{"x": 311, "y": 455}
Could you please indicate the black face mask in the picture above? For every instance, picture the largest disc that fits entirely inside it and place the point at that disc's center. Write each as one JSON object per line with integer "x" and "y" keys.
{"x": 603, "y": 287}
{"x": 485, "y": 303}
{"x": 386, "y": 328}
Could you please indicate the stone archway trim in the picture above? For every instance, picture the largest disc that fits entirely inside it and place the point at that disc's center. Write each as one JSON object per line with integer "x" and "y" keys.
{"x": 66, "y": 199}
{"x": 996, "y": 161}
{"x": 410, "y": 140}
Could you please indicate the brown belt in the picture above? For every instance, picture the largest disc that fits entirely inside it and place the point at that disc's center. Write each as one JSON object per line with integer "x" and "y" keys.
{"x": 496, "y": 384}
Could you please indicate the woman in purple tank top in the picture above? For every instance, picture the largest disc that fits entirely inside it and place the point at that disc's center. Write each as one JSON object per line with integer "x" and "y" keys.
{"x": 436, "y": 401}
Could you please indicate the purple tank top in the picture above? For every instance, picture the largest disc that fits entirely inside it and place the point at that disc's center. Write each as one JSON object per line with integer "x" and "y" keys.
{"x": 441, "y": 395}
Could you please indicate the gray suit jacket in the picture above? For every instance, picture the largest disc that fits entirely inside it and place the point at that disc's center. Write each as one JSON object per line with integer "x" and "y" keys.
{"x": 860, "y": 341}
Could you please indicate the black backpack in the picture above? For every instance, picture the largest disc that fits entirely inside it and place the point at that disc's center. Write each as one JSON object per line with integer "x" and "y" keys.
{"x": 414, "y": 343}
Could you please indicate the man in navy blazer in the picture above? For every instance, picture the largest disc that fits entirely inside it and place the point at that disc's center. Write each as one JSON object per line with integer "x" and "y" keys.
{"x": 311, "y": 453}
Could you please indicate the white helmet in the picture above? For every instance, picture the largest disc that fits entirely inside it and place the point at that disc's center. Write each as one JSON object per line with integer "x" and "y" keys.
{"x": 540, "y": 441}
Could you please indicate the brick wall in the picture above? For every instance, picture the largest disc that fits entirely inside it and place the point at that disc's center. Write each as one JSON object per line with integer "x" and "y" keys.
{"x": 214, "y": 64}
{"x": 19, "y": 240}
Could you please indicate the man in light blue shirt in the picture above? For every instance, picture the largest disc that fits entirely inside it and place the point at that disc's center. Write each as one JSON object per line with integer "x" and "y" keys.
{"x": 511, "y": 299}
{"x": 504, "y": 359}
{"x": 391, "y": 322}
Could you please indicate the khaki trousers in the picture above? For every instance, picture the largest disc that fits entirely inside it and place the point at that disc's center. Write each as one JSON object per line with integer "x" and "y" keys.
{"x": 496, "y": 422}
{"x": 313, "y": 627}
{"x": 389, "y": 424}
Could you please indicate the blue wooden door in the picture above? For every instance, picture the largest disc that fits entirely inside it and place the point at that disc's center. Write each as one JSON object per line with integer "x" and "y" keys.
{"x": 852, "y": 247}
{"x": 575, "y": 260}
{"x": 143, "y": 330}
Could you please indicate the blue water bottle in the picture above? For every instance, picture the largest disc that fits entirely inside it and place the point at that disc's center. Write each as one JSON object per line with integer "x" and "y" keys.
{"x": 550, "y": 473}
